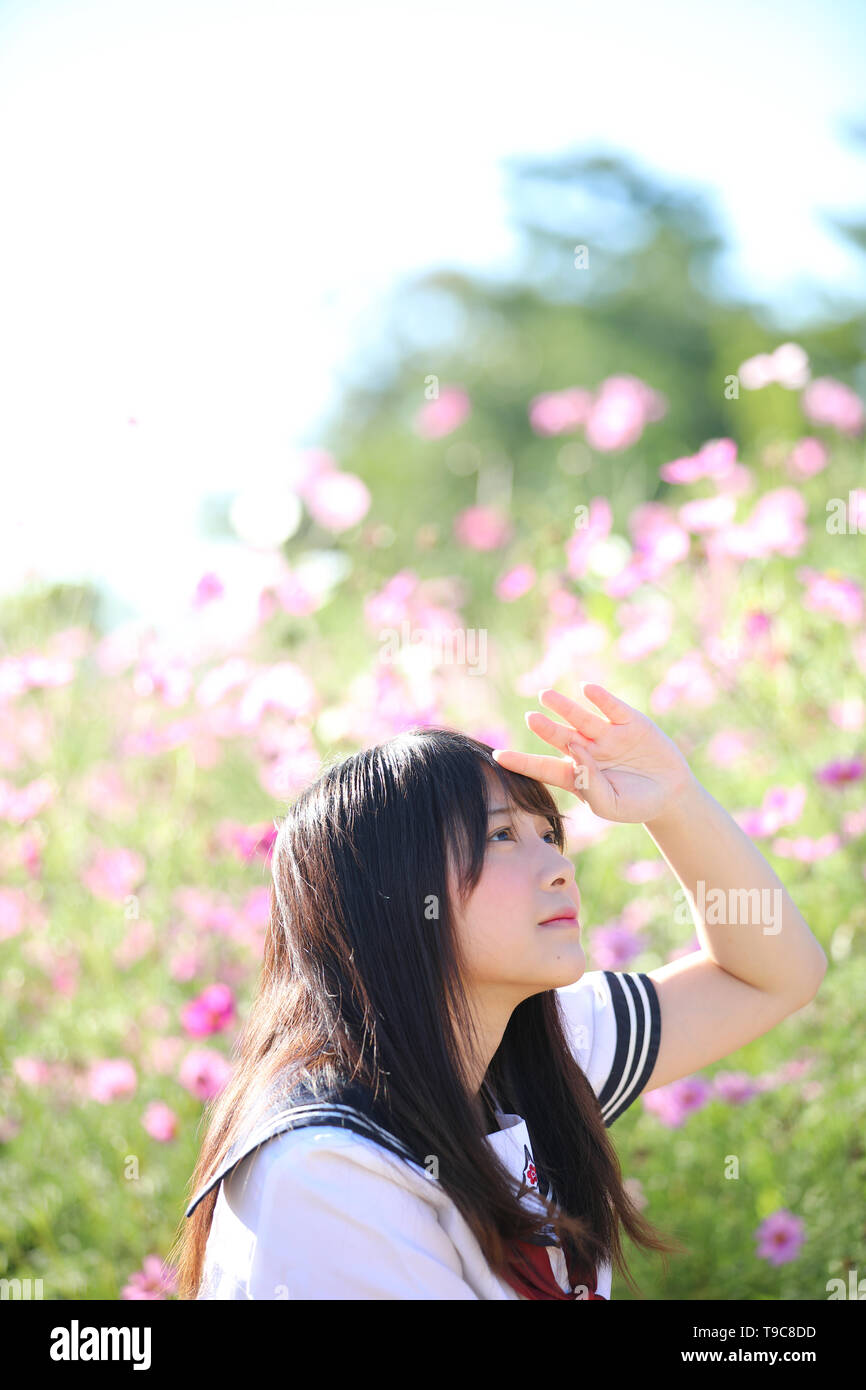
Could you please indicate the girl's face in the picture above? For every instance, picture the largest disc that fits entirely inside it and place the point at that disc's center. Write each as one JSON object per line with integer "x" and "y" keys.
{"x": 525, "y": 879}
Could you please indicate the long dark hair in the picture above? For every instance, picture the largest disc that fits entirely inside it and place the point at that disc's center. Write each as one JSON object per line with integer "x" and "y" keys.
{"x": 362, "y": 981}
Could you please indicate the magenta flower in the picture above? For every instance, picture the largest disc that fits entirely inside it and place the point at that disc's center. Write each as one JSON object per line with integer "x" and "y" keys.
{"x": 211, "y": 1012}
{"x": 672, "y": 1104}
{"x": 109, "y": 1080}
{"x": 160, "y": 1121}
{"x": 204, "y": 1073}
{"x": 735, "y": 1086}
{"x": 842, "y": 771}
{"x": 442, "y": 416}
{"x": 829, "y": 402}
{"x": 114, "y": 873}
{"x": 155, "y": 1279}
{"x": 780, "y": 1237}
{"x": 559, "y": 412}
{"x": 482, "y": 528}
{"x": 247, "y": 841}
{"x": 515, "y": 583}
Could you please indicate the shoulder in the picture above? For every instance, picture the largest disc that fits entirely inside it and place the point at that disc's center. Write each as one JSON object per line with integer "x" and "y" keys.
{"x": 613, "y": 1021}
{"x": 335, "y": 1215}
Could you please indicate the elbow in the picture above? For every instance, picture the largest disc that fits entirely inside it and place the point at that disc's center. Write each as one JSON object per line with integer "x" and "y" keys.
{"x": 816, "y": 978}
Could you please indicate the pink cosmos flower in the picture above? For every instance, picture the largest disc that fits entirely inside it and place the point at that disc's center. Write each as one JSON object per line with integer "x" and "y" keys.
{"x": 781, "y": 806}
{"x": 647, "y": 627}
{"x": 776, "y": 526}
{"x": 807, "y": 850}
{"x": 644, "y": 871}
{"x": 155, "y": 1280}
{"x": 218, "y": 682}
{"x": 164, "y": 676}
{"x": 735, "y": 1086}
{"x": 211, "y": 1012}
{"x": 614, "y": 947}
{"x": 114, "y": 873}
{"x": 337, "y": 501}
{"x": 247, "y": 841}
{"x": 160, "y": 1121}
{"x": 672, "y": 1104}
{"x": 579, "y": 546}
{"x": 620, "y": 411}
{"x": 848, "y": 714}
{"x": 32, "y": 1071}
{"x": 715, "y": 459}
{"x": 829, "y": 402}
{"x": 20, "y": 804}
{"x": 707, "y": 513}
{"x": 283, "y": 686}
{"x": 33, "y": 671}
{"x": 686, "y": 681}
{"x": 482, "y": 528}
{"x": 833, "y": 593}
{"x": 515, "y": 583}
{"x": 788, "y": 365}
{"x": 112, "y": 1079}
{"x": 442, "y": 416}
{"x": 204, "y": 1073}
{"x": 209, "y": 587}
{"x": 780, "y": 1237}
{"x": 559, "y": 412}
{"x": 728, "y": 745}
{"x": 840, "y": 772}
{"x": 808, "y": 457}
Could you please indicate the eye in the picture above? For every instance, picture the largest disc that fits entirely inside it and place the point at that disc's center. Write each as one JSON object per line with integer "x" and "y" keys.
{"x": 503, "y": 829}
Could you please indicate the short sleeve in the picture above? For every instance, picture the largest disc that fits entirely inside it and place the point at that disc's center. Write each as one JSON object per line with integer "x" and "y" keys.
{"x": 332, "y": 1221}
{"x": 613, "y": 1022}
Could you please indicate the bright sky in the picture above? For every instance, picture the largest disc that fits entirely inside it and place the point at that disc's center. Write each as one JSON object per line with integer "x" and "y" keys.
{"x": 204, "y": 204}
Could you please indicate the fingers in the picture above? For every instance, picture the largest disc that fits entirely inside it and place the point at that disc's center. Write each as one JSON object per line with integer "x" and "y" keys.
{"x": 616, "y": 711}
{"x": 558, "y": 772}
{"x": 560, "y": 735}
{"x": 586, "y": 723}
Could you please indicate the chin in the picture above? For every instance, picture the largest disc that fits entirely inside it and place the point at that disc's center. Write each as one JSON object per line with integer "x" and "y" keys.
{"x": 567, "y": 966}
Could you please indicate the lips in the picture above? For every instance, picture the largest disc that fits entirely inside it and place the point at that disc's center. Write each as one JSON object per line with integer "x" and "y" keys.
{"x": 567, "y": 914}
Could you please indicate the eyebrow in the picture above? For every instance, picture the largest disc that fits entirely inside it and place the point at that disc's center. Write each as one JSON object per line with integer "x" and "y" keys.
{"x": 509, "y": 811}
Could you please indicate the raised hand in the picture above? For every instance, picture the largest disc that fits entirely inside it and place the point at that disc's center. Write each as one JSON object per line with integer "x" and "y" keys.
{"x": 622, "y": 766}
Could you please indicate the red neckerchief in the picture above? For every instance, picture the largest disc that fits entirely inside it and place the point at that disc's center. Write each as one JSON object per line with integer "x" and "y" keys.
{"x": 530, "y": 1274}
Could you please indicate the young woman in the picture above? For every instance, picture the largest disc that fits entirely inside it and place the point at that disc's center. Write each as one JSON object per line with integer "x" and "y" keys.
{"x": 421, "y": 1096}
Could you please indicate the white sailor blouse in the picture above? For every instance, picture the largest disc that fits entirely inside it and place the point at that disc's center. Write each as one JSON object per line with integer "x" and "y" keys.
{"x": 319, "y": 1201}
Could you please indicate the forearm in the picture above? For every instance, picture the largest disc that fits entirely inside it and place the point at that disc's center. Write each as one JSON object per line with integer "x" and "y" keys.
{"x": 744, "y": 917}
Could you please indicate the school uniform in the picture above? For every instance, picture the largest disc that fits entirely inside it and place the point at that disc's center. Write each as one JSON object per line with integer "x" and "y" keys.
{"x": 319, "y": 1201}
